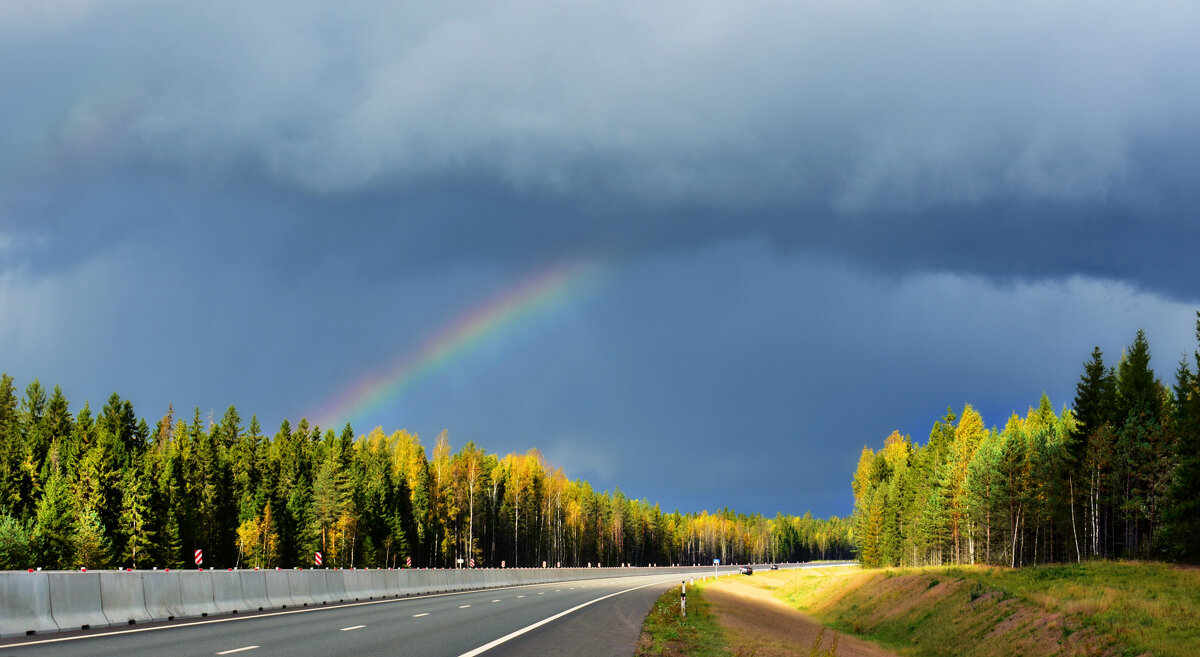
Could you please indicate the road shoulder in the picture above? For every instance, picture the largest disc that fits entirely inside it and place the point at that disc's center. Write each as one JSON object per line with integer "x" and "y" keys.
{"x": 757, "y": 623}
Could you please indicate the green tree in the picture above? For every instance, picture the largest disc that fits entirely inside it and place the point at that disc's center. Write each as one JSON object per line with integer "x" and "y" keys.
{"x": 53, "y": 539}
{"x": 91, "y": 545}
{"x": 15, "y": 543}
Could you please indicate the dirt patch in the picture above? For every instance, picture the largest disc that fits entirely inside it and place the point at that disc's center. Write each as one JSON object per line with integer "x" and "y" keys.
{"x": 761, "y": 625}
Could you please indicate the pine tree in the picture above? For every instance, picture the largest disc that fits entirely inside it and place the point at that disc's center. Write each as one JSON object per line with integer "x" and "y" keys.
{"x": 16, "y": 545}
{"x": 53, "y": 531}
{"x": 136, "y": 520}
{"x": 91, "y": 545}
{"x": 12, "y": 449}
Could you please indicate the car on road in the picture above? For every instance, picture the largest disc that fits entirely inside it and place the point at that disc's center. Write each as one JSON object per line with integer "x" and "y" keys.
{"x": 746, "y": 570}
{"x": 774, "y": 566}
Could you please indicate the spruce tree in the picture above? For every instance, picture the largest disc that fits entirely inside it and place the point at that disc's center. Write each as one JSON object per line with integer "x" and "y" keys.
{"x": 53, "y": 531}
{"x": 15, "y": 543}
{"x": 91, "y": 545}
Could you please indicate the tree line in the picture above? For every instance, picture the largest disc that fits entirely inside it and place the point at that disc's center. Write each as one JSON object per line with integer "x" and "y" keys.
{"x": 1116, "y": 475}
{"x": 109, "y": 490}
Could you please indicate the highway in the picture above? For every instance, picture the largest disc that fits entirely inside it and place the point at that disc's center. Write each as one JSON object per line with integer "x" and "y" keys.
{"x": 601, "y": 618}
{"x": 596, "y": 617}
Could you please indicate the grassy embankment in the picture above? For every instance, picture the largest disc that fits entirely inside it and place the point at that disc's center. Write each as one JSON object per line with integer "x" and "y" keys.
{"x": 1092, "y": 609}
{"x": 1098, "y": 608}
{"x": 666, "y": 633}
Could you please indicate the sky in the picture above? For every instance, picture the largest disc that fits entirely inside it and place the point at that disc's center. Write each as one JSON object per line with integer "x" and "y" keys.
{"x": 700, "y": 251}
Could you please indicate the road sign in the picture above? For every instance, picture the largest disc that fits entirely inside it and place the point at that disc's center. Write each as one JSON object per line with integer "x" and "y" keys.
{"x": 199, "y": 557}
{"x": 716, "y": 562}
{"x": 317, "y": 558}
{"x": 408, "y": 562}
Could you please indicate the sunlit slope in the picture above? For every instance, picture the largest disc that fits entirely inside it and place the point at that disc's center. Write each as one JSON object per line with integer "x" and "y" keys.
{"x": 1088, "y": 609}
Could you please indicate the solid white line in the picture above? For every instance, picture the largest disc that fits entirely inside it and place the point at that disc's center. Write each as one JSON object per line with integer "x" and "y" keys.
{"x": 230, "y": 652}
{"x": 420, "y": 615}
{"x": 509, "y": 637}
{"x": 353, "y": 627}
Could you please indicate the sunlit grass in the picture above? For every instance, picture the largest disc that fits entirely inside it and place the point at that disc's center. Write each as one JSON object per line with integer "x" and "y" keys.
{"x": 1143, "y": 607}
{"x": 666, "y": 632}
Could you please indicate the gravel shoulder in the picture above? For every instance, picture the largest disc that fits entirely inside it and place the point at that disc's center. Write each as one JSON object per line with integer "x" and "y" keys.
{"x": 759, "y": 624}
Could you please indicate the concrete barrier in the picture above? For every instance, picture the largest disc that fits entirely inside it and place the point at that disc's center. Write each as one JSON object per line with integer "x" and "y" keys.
{"x": 357, "y": 585}
{"x": 376, "y": 584}
{"x": 318, "y": 587}
{"x": 75, "y": 600}
{"x": 254, "y": 590}
{"x": 391, "y": 582}
{"x": 162, "y": 594}
{"x": 122, "y": 597}
{"x": 227, "y": 591}
{"x": 336, "y": 581}
{"x": 196, "y": 593}
{"x": 278, "y": 591}
{"x": 25, "y": 604}
{"x": 300, "y": 586}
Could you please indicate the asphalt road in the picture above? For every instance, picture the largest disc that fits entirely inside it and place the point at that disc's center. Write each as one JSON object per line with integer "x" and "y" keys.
{"x": 600, "y": 618}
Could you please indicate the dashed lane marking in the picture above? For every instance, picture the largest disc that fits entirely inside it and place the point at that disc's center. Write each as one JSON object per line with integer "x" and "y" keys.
{"x": 243, "y": 649}
{"x": 420, "y": 615}
{"x": 352, "y": 627}
{"x": 463, "y": 606}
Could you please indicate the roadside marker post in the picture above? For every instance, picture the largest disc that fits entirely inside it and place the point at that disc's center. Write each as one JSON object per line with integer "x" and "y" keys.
{"x": 716, "y": 562}
{"x": 199, "y": 557}
{"x": 683, "y": 599}
{"x": 317, "y": 558}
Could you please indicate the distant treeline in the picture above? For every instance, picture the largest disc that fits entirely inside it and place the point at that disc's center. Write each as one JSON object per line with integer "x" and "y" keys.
{"x": 1118, "y": 475}
{"x": 109, "y": 490}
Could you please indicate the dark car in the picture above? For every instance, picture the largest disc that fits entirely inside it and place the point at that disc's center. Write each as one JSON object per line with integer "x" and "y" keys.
{"x": 774, "y": 566}
{"x": 746, "y": 570}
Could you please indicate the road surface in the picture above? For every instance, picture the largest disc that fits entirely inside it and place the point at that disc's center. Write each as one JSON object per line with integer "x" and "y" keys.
{"x": 596, "y": 618}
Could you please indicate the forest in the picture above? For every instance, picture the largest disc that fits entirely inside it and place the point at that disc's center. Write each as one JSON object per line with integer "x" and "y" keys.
{"x": 109, "y": 490}
{"x": 1117, "y": 475}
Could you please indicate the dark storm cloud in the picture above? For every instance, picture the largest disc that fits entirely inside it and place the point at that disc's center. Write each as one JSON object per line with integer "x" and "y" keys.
{"x": 815, "y": 222}
{"x": 976, "y": 132}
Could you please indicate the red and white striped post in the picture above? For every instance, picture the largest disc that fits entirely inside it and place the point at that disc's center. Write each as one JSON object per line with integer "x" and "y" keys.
{"x": 199, "y": 557}
{"x": 317, "y": 558}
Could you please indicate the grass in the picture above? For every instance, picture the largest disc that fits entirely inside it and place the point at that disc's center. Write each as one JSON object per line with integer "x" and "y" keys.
{"x": 1147, "y": 606}
{"x": 1113, "y": 608}
{"x": 665, "y": 632}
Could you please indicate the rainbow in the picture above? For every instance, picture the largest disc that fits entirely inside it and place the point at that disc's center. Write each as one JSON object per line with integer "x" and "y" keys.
{"x": 522, "y": 302}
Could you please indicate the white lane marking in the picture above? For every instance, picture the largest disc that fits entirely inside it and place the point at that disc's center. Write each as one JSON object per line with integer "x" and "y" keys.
{"x": 520, "y": 596}
{"x": 541, "y": 593}
{"x": 352, "y": 627}
{"x": 420, "y": 615}
{"x": 509, "y": 637}
{"x": 463, "y": 606}
{"x": 495, "y": 601}
{"x": 230, "y": 652}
